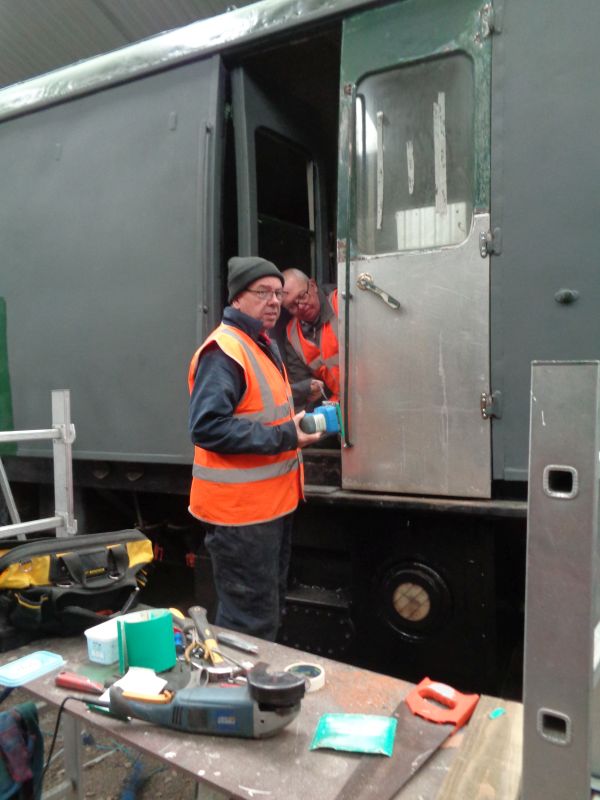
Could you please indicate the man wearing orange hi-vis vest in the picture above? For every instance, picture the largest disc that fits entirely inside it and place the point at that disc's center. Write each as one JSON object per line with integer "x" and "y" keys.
{"x": 247, "y": 478}
{"x": 312, "y": 339}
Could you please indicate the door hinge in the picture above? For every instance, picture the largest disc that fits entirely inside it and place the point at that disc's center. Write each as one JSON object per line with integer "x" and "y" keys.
{"x": 491, "y": 405}
{"x": 490, "y": 243}
{"x": 488, "y": 22}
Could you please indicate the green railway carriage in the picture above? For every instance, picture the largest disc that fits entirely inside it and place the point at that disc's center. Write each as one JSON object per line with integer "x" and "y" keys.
{"x": 441, "y": 152}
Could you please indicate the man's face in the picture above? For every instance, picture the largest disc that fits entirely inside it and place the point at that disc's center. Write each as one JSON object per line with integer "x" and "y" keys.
{"x": 301, "y": 298}
{"x": 261, "y": 300}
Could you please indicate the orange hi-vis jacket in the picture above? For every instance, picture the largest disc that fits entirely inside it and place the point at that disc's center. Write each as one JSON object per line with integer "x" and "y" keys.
{"x": 242, "y": 488}
{"x": 322, "y": 357}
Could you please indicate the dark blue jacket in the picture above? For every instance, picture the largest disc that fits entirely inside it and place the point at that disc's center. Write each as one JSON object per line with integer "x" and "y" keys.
{"x": 218, "y": 388}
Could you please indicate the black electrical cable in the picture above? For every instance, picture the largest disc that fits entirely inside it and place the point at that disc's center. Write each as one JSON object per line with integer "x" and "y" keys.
{"x": 5, "y": 692}
{"x": 134, "y": 782}
{"x": 58, "y": 716}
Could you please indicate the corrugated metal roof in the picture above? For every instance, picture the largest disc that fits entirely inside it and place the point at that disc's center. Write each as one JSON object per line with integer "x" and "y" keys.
{"x": 37, "y": 36}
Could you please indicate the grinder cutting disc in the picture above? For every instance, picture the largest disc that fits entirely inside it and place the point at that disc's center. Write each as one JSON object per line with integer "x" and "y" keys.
{"x": 422, "y": 727}
{"x": 276, "y": 689}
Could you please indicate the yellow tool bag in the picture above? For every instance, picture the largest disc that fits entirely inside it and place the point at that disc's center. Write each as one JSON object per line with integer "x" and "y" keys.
{"x": 64, "y": 585}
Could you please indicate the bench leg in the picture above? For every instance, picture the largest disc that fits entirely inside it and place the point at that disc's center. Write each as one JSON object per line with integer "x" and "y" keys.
{"x": 72, "y": 755}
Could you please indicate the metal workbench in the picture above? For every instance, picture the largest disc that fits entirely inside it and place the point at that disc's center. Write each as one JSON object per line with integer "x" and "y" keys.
{"x": 483, "y": 757}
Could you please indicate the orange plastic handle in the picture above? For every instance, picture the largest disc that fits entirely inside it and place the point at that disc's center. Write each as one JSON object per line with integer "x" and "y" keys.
{"x": 450, "y": 706}
{"x": 159, "y": 699}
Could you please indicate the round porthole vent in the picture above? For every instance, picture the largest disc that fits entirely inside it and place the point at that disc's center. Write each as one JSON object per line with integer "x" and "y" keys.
{"x": 411, "y": 601}
{"x": 414, "y": 599}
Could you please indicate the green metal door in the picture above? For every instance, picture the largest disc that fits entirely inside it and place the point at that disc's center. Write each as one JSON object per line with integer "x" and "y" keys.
{"x": 413, "y": 265}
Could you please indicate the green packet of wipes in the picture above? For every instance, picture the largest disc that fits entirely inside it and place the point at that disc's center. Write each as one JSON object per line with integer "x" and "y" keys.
{"x": 356, "y": 733}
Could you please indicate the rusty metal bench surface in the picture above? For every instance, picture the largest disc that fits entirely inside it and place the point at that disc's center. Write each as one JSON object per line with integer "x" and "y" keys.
{"x": 485, "y": 756}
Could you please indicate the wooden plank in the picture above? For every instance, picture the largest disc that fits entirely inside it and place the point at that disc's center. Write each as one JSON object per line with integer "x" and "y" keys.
{"x": 488, "y": 762}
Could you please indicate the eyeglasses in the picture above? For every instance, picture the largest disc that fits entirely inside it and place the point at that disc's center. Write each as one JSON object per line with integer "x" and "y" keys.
{"x": 266, "y": 294}
{"x": 301, "y": 299}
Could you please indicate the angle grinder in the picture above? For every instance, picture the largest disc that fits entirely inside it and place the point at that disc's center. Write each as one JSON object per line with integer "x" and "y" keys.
{"x": 266, "y": 704}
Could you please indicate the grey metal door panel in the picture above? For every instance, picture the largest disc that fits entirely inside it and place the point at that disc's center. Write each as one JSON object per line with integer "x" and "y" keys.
{"x": 417, "y": 373}
{"x": 106, "y": 225}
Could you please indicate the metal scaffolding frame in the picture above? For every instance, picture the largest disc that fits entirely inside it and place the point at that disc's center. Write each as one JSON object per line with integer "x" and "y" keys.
{"x": 62, "y": 434}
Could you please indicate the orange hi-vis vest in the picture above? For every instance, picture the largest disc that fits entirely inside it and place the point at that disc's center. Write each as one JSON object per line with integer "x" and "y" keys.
{"x": 322, "y": 357}
{"x": 242, "y": 488}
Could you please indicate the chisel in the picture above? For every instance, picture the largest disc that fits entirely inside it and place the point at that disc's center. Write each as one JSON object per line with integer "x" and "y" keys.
{"x": 235, "y": 641}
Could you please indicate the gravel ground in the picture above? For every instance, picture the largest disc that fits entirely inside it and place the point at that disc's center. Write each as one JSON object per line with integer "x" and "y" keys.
{"x": 111, "y": 770}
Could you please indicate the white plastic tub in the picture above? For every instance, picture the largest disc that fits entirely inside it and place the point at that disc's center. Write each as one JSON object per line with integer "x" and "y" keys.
{"x": 102, "y": 642}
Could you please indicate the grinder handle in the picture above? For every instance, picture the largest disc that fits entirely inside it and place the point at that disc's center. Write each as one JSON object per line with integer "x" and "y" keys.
{"x": 207, "y": 637}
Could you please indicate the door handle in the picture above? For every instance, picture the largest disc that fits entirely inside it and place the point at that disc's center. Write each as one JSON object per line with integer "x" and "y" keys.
{"x": 365, "y": 282}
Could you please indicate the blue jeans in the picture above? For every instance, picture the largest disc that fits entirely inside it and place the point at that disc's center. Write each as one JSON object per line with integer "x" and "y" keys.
{"x": 250, "y": 568}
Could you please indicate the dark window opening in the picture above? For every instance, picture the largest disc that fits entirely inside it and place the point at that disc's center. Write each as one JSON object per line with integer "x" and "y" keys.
{"x": 300, "y": 77}
{"x": 284, "y": 198}
{"x": 282, "y": 171}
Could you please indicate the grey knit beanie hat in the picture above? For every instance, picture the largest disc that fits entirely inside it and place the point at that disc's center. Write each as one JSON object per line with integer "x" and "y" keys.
{"x": 244, "y": 270}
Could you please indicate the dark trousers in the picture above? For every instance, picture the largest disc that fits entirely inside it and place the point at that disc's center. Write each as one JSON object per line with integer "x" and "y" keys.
{"x": 250, "y": 569}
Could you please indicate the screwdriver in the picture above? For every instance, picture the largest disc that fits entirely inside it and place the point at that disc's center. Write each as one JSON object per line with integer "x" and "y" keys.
{"x": 79, "y": 683}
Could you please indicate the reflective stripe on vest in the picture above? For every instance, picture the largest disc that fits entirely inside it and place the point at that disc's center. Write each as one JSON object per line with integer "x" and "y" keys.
{"x": 248, "y": 475}
{"x": 271, "y": 412}
{"x": 318, "y": 361}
